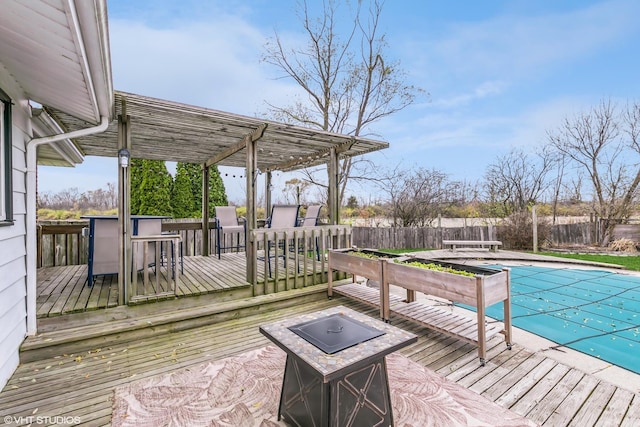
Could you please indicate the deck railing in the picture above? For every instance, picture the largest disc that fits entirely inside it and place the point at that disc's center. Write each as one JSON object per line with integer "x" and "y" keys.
{"x": 303, "y": 248}
{"x": 162, "y": 254}
{"x": 296, "y": 257}
{"x": 63, "y": 243}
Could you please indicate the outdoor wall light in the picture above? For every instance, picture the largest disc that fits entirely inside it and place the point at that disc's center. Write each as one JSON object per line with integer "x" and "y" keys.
{"x": 123, "y": 157}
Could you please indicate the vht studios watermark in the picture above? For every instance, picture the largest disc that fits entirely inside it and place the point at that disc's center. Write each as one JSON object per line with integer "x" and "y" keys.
{"x": 42, "y": 419}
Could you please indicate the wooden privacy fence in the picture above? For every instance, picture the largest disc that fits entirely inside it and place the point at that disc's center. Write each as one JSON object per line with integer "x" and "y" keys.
{"x": 432, "y": 237}
{"x": 62, "y": 242}
{"x": 414, "y": 237}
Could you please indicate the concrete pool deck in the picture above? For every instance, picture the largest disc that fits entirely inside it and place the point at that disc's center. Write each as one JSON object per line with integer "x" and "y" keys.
{"x": 599, "y": 368}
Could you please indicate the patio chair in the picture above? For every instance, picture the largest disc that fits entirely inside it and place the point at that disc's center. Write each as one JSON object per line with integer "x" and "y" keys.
{"x": 311, "y": 216}
{"x": 282, "y": 216}
{"x": 310, "y": 220}
{"x": 227, "y": 222}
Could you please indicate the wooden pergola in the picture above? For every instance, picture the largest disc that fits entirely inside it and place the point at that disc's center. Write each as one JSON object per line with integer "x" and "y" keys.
{"x": 156, "y": 129}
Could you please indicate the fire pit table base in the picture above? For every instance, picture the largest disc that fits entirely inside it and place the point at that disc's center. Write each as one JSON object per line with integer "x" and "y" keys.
{"x": 358, "y": 398}
{"x": 344, "y": 385}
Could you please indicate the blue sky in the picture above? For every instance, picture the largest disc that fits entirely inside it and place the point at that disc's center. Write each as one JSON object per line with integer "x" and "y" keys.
{"x": 499, "y": 74}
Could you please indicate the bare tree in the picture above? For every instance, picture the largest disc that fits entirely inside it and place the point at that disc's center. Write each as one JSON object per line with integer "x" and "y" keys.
{"x": 517, "y": 180}
{"x": 418, "y": 196}
{"x": 72, "y": 199}
{"x": 604, "y": 143}
{"x": 295, "y": 191}
{"x": 558, "y": 185}
{"x": 347, "y": 77}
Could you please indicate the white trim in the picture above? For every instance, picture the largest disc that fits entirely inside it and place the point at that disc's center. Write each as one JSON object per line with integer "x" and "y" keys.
{"x": 44, "y": 124}
{"x": 3, "y": 212}
{"x": 76, "y": 33}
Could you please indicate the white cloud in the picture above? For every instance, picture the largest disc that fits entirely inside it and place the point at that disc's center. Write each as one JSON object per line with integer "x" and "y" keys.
{"x": 508, "y": 45}
{"x": 505, "y": 81}
{"x": 484, "y": 90}
{"x": 214, "y": 65}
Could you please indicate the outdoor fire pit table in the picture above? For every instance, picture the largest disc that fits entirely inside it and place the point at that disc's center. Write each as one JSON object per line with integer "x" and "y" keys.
{"x": 335, "y": 374}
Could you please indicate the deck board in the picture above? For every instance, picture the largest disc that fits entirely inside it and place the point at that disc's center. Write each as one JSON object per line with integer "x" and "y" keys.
{"x": 615, "y": 411}
{"x": 63, "y": 289}
{"x": 541, "y": 389}
{"x": 549, "y": 392}
{"x": 632, "y": 415}
{"x": 597, "y": 402}
{"x": 546, "y": 391}
{"x": 553, "y": 399}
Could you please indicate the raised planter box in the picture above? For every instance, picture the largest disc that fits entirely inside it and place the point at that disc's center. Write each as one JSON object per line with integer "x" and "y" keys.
{"x": 369, "y": 266}
{"x": 486, "y": 287}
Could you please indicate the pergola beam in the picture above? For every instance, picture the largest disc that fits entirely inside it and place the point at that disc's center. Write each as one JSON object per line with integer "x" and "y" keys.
{"x": 313, "y": 158}
{"x": 251, "y": 137}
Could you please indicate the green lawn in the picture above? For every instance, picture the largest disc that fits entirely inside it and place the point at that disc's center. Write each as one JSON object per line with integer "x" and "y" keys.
{"x": 628, "y": 262}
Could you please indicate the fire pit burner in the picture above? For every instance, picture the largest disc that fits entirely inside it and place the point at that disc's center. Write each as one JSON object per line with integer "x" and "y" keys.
{"x": 335, "y": 332}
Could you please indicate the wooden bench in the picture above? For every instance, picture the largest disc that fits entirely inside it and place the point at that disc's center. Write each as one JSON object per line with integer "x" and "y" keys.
{"x": 493, "y": 244}
{"x": 479, "y": 292}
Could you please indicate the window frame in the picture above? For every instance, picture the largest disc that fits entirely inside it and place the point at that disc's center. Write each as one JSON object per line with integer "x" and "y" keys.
{"x": 6, "y": 165}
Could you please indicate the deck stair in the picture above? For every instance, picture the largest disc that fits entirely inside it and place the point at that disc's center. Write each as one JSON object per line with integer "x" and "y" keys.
{"x": 80, "y": 332}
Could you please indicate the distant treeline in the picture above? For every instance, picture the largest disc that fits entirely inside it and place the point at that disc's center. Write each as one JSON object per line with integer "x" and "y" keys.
{"x": 153, "y": 192}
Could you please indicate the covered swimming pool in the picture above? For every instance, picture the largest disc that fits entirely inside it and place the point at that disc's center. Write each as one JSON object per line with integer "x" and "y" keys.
{"x": 596, "y": 312}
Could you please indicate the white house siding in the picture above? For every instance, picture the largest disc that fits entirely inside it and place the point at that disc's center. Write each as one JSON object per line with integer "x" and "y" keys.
{"x": 13, "y": 268}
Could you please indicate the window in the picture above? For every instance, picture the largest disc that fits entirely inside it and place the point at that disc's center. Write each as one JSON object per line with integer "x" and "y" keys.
{"x": 6, "y": 192}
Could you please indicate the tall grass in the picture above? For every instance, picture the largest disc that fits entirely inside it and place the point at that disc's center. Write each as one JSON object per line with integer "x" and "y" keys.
{"x": 62, "y": 214}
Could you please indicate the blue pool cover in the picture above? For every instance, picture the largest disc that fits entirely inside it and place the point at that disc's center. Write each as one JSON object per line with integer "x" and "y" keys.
{"x": 592, "y": 311}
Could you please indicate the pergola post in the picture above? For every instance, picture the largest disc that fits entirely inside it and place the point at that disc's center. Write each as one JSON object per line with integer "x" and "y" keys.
{"x": 124, "y": 208}
{"x": 333, "y": 193}
{"x": 205, "y": 210}
{"x": 267, "y": 193}
{"x": 251, "y": 246}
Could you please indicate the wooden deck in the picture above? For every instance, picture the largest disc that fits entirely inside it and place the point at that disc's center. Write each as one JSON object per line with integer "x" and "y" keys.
{"x": 80, "y": 384}
{"x": 64, "y": 290}
{"x": 77, "y": 380}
